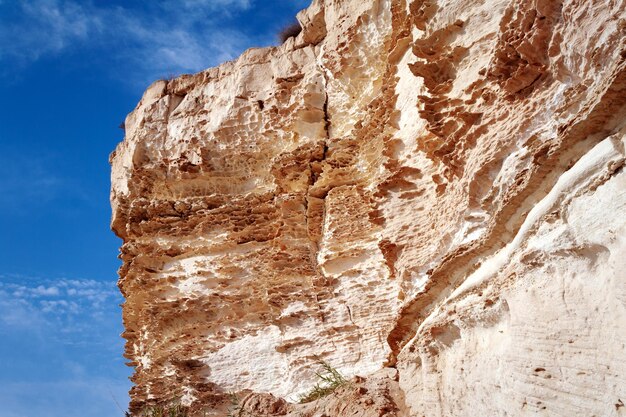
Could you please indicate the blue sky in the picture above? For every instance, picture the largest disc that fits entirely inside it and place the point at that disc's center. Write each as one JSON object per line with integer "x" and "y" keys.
{"x": 70, "y": 71}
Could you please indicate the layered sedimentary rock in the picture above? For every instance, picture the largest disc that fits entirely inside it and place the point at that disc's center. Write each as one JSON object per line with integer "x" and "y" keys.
{"x": 427, "y": 194}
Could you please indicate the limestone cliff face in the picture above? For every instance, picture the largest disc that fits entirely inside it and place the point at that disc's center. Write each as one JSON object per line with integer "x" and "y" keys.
{"x": 427, "y": 194}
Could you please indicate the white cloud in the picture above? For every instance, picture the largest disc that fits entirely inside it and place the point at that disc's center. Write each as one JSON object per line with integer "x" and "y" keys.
{"x": 45, "y": 291}
{"x": 27, "y": 180}
{"x": 64, "y": 348}
{"x": 51, "y": 28}
{"x": 16, "y": 312}
{"x": 161, "y": 38}
{"x": 76, "y": 395}
{"x": 26, "y": 301}
{"x": 59, "y": 306}
{"x": 215, "y": 4}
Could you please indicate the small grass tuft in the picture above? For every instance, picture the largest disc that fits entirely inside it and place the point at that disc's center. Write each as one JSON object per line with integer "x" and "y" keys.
{"x": 290, "y": 31}
{"x": 172, "y": 410}
{"x": 328, "y": 381}
{"x": 236, "y": 408}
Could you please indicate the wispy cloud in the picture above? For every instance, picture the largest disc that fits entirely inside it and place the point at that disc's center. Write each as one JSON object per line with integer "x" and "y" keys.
{"x": 51, "y": 28}
{"x": 31, "y": 180}
{"x": 61, "y": 348}
{"x": 158, "y": 39}
{"x": 214, "y": 4}
{"x": 75, "y": 396}
{"x": 68, "y": 305}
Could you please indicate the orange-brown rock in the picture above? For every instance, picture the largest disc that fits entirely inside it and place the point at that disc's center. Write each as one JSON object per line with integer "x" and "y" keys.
{"x": 432, "y": 186}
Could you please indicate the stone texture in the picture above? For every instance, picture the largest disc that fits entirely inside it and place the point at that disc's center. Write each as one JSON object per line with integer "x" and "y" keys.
{"x": 431, "y": 186}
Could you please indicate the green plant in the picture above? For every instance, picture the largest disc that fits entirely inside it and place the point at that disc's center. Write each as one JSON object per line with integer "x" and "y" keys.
{"x": 172, "y": 410}
{"x": 329, "y": 379}
{"x": 236, "y": 409}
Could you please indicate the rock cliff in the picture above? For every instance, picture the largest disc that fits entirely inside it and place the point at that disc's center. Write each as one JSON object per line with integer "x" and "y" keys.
{"x": 428, "y": 195}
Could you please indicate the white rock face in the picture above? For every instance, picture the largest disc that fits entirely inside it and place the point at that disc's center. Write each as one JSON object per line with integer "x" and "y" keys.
{"x": 426, "y": 193}
{"x": 538, "y": 328}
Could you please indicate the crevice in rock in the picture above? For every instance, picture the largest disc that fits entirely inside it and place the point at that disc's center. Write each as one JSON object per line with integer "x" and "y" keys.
{"x": 316, "y": 168}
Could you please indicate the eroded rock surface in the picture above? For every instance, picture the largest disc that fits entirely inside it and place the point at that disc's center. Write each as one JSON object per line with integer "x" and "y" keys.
{"x": 426, "y": 194}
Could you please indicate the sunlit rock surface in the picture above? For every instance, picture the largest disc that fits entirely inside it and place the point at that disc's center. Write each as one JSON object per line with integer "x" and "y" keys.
{"x": 427, "y": 194}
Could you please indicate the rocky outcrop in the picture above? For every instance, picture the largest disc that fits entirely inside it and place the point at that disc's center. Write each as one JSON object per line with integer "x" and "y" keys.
{"x": 426, "y": 194}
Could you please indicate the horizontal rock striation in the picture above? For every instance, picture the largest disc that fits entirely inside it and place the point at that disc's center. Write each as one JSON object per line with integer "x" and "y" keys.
{"x": 426, "y": 194}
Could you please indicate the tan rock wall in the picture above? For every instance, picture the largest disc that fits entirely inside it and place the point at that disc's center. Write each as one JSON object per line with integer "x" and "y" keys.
{"x": 435, "y": 186}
